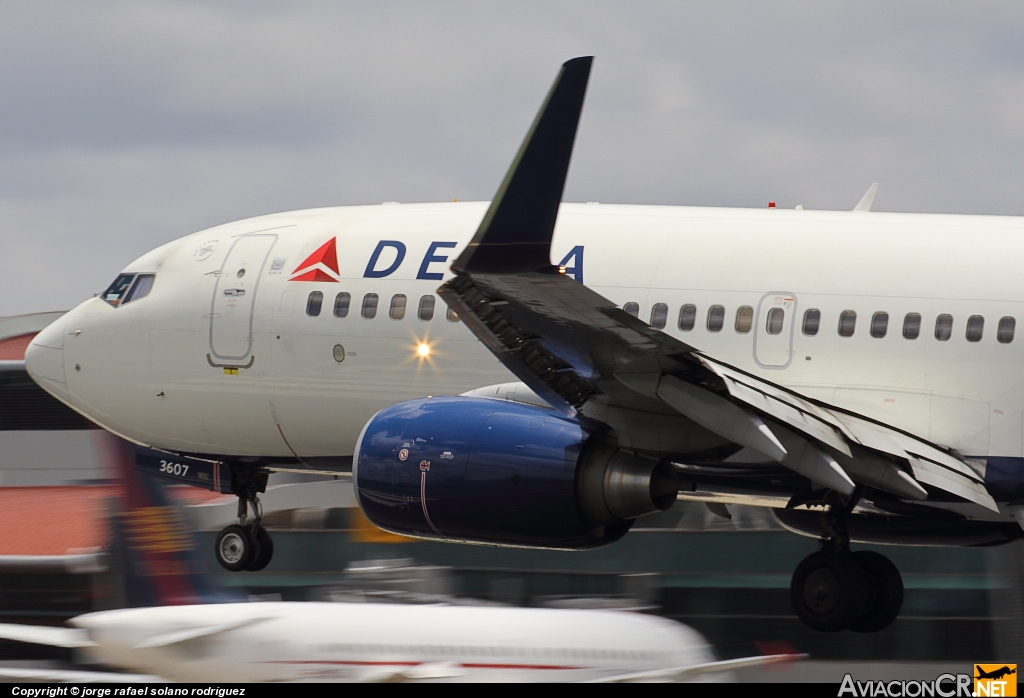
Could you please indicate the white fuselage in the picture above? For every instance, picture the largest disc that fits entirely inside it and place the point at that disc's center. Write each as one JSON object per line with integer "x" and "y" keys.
{"x": 180, "y": 369}
{"x": 365, "y": 642}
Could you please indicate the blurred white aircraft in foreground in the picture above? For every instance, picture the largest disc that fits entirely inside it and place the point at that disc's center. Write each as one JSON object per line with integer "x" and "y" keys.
{"x": 295, "y": 641}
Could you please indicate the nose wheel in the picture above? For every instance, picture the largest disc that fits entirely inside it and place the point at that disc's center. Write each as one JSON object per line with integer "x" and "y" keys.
{"x": 245, "y": 545}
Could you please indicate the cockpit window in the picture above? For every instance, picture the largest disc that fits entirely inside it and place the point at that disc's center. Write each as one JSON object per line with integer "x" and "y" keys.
{"x": 124, "y": 291}
{"x": 116, "y": 293}
{"x": 140, "y": 289}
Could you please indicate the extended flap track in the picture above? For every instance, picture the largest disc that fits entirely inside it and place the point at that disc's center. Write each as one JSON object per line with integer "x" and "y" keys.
{"x": 504, "y": 337}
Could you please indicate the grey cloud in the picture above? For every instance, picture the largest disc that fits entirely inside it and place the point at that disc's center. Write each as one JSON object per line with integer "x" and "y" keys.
{"x": 124, "y": 125}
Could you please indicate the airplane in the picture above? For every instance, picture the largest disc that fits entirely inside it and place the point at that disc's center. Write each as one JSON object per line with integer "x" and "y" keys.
{"x": 855, "y": 371}
{"x": 180, "y": 626}
{"x": 382, "y": 642}
{"x": 994, "y": 674}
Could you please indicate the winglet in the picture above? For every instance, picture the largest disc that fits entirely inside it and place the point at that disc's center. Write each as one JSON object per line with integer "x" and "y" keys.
{"x": 515, "y": 234}
{"x": 869, "y": 198}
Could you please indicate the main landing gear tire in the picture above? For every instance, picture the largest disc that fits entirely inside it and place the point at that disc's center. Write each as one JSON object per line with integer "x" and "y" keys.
{"x": 833, "y": 591}
{"x": 239, "y": 548}
{"x": 886, "y": 597}
{"x": 234, "y": 548}
{"x": 829, "y": 590}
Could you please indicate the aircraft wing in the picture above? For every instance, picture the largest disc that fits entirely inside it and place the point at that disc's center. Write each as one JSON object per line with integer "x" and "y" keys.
{"x": 71, "y": 676}
{"x": 182, "y": 635}
{"x": 576, "y": 349}
{"x": 25, "y": 406}
{"x": 72, "y": 638}
{"x": 695, "y": 671}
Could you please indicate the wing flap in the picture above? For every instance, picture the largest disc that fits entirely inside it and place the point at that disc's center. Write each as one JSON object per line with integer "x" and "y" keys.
{"x": 788, "y": 409}
{"x": 943, "y": 478}
{"x": 839, "y": 430}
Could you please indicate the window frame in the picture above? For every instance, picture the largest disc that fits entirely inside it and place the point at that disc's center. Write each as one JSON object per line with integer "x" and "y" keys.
{"x": 366, "y": 306}
{"x": 316, "y": 297}
{"x": 981, "y": 328}
{"x": 906, "y": 326}
{"x": 347, "y": 304}
{"x": 817, "y": 322}
{"x": 744, "y": 322}
{"x": 843, "y": 316}
{"x": 687, "y": 316}
{"x": 718, "y": 312}
{"x": 422, "y": 305}
{"x": 1000, "y": 329}
{"x": 398, "y": 307}
{"x": 117, "y": 302}
{"x": 882, "y": 316}
{"x": 130, "y": 294}
{"x": 659, "y": 316}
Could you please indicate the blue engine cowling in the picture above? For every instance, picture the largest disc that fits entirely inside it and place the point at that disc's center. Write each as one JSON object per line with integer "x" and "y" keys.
{"x": 489, "y": 471}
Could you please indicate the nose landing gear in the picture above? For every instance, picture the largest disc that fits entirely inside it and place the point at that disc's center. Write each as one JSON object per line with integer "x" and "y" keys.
{"x": 246, "y": 545}
{"x": 834, "y": 589}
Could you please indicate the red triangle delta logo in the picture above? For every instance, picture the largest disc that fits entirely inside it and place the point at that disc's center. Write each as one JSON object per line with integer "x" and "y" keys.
{"x": 317, "y": 265}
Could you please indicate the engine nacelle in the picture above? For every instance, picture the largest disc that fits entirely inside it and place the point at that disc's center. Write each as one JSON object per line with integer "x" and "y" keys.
{"x": 489, "y": 471}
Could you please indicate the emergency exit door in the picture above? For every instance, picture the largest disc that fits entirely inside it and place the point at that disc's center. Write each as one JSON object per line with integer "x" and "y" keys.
{"x": 773, "y": 338}
{"x": 234, "y": 298}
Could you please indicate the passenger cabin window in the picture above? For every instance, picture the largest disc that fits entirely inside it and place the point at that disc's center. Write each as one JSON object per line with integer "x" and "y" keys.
{"x": 659, "y": 316}
{"x": 847, "y": 323}
{"x": 370, "y": 306}
{"x": 776, "y": 318}
{"x": 687, "y": 317}
{"x": 398, "y": 303}
{"x": 912, "y": 326}
{"x": 341, "y": 303}
{"x": 812, "y": 320}
{"x": 632, "y": 308}
{"x": 451, "y": 315}
{"x": 426, "y": 311}
{"x": 975, "y": 328}
{"x": 1004, "y": 335}
{"x": 118, "y": 289}
{"x": 716, "y": 318}
{"x": 314, "y": 303}
{"x": 943, "y": 327}
{"x": 744, "y": 319}
{"x": 140, "y": 289}
{"x": 879, "y": 325}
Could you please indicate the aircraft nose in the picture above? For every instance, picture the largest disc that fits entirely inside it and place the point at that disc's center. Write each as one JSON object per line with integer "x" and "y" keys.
{"x": 44, "y": 359}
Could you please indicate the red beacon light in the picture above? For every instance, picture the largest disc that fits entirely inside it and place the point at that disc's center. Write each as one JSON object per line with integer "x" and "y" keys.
{"x": 771, "y": 204}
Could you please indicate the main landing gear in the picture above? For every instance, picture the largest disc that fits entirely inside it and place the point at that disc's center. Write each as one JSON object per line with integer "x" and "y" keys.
{"x": 834, "y": 589}
{"x": 246, "y": 545}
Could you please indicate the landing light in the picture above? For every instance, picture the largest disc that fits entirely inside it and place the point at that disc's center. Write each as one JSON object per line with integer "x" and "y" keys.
{"x": 423, "y": 350}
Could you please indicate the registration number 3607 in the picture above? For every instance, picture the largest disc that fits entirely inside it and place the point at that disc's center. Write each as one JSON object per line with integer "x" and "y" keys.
{"x": 172, "y": 468}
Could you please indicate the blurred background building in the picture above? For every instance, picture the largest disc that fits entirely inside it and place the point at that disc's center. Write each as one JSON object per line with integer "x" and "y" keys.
{"x": 726, "y": 577}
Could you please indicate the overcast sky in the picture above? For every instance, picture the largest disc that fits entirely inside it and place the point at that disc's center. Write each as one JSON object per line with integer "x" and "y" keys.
{"x": 125, "y": 125}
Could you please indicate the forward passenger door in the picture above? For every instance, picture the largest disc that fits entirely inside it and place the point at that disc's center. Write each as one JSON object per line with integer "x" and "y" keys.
{"x": 233, "y": 299}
